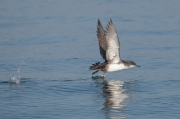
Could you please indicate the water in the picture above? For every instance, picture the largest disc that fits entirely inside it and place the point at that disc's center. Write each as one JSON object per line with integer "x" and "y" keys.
{"x": 46, "y": 48}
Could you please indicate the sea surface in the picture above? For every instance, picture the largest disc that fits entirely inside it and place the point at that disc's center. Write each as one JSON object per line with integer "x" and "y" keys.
{"x": 47, "y": 46}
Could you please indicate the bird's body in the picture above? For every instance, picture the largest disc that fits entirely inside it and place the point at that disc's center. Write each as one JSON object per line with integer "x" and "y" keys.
{"x": 116, "y": 67}
{"x": 109, "y": 46}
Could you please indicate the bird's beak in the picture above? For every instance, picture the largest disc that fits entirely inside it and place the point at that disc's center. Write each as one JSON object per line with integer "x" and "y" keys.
{"x": 137, "y": 65}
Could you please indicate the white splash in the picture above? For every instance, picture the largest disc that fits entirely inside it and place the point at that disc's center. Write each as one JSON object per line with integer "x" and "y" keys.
{"x": 100, "y": 76}
{"x": 15, "y": 79}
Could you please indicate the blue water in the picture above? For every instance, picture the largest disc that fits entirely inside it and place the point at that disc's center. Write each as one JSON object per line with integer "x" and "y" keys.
{"x": 46, "y": 48}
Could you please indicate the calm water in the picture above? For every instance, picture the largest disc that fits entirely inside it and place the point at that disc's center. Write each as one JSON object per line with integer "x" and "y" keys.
{"x": 46, "y": 48}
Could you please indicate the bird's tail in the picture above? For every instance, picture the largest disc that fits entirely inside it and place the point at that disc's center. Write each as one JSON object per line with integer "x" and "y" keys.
{"x": 97, "y": 66}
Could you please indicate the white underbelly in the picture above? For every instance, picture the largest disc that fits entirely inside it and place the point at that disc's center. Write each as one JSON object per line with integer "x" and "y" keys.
{"x": 116, "y": 67}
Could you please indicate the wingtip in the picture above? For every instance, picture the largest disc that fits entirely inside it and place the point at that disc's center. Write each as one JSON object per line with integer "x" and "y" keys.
{"x": 110, "y": 21}
{"x": 99, "y": 21}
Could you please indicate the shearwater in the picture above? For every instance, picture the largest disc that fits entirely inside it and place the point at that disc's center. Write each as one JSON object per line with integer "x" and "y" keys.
{"x": 109, "y": 46}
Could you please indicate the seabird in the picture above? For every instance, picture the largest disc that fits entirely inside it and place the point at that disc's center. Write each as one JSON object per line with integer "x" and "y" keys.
{"x": 109, "y": 46}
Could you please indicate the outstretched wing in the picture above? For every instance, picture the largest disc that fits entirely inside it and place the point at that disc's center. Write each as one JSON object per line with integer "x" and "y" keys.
{"x": 102, "y": 40}
{"x": 113, "y": 44}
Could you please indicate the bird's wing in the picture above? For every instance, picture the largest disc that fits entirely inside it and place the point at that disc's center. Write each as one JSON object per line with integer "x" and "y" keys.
{"x": 113, "y": 44}
{"x": 102, "y": 40}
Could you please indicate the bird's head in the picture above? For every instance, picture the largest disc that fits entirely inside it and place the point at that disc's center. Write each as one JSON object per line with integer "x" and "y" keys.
{"x": 132, "y": 64}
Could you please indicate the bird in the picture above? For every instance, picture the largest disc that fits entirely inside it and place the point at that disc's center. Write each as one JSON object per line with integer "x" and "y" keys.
{"x": 109, "y": 47}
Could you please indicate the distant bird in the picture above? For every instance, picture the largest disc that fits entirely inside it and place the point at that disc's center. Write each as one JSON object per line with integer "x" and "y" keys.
{"x": 109, "y": 49}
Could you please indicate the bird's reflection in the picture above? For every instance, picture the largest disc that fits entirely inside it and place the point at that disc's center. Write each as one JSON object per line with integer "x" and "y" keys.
{"x": 114, "y": 96}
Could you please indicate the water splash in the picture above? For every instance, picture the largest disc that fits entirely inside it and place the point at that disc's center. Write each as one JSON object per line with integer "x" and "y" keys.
{"x": 15, "y": 79}
{"x": 99, "y": 76}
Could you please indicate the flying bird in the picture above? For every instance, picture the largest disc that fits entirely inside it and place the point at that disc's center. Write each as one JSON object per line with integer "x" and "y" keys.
{"x": 109, "y": 47}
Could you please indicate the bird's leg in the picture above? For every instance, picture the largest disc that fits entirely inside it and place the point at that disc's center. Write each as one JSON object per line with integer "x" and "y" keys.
{"x": 95, "y": 72}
